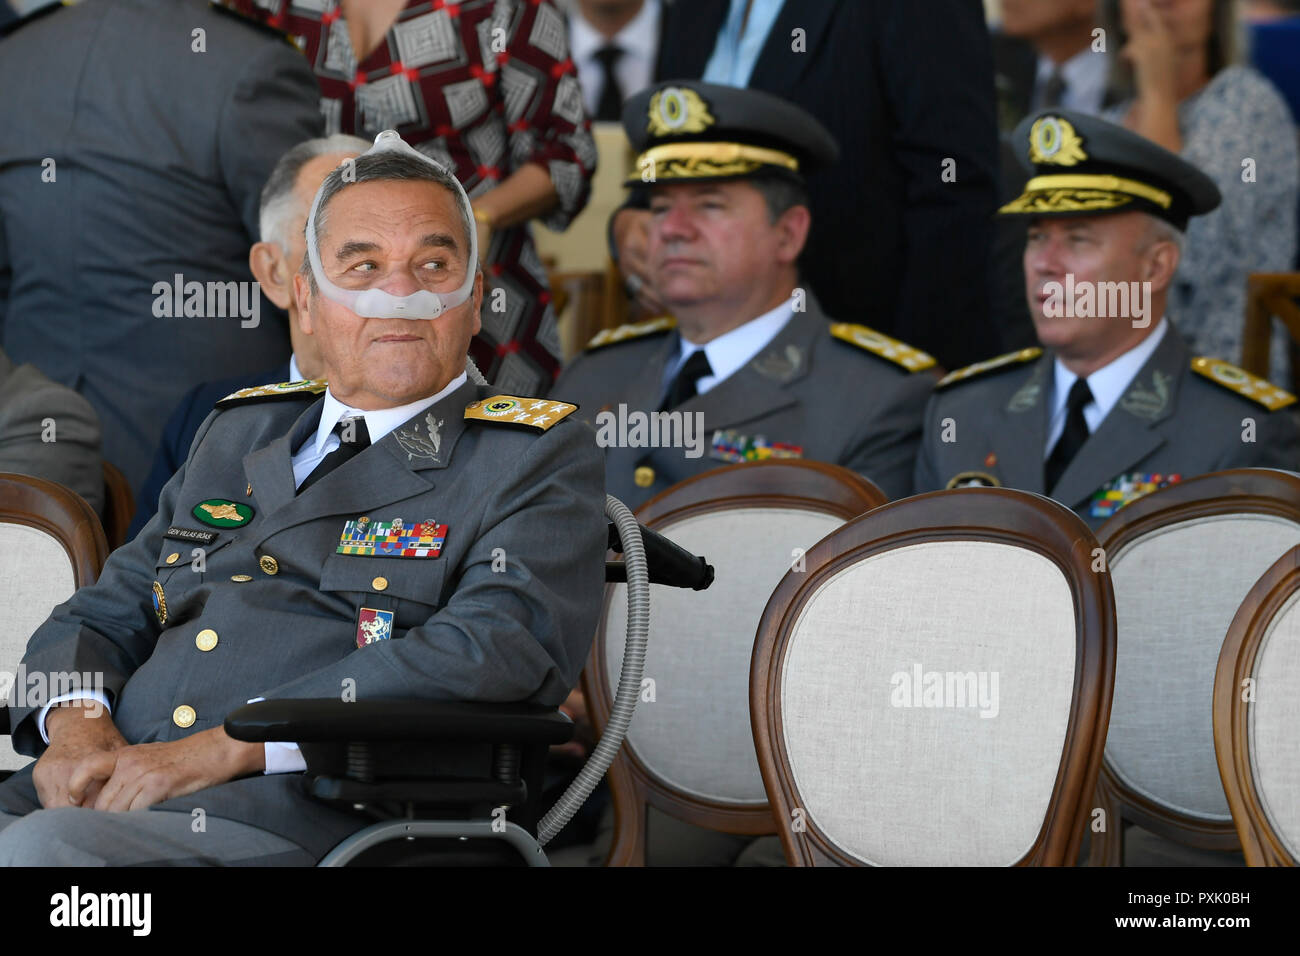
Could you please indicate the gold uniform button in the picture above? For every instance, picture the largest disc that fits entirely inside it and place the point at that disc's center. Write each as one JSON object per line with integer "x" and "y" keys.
{"x": 379, "y": 583}
{"x": 644, "y": 476}
{"x": 206, "y": 639}
{"x": 269, "y": 564}
{"x": 173, "y": 557}
{"x": 184, "y": 716}
{"x": 241, "y": 578}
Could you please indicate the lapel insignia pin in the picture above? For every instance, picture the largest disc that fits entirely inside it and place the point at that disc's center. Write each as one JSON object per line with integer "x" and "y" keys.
{"x": 417, "y": 446}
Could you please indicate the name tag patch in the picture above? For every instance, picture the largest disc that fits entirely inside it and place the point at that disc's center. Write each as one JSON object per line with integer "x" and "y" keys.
{"x": 197, "y": 535}
{"x": 392, "y": 539}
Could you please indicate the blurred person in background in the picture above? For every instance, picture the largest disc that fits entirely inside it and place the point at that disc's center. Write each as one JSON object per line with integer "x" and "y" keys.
{"x": 1191, "y": 96}
{"x": 489, "y": 91}
{"x": 614, "y": 45}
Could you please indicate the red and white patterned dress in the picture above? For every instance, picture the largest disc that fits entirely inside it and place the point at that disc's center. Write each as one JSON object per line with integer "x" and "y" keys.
{"x": 482, "y": 86}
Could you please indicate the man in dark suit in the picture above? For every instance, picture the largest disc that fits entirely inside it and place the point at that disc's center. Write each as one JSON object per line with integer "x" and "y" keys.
{"x": 404, "y": 533}
{"x": 286, "y": 199}
{"x": 902, "y": 222}
{"x": 137, "y": 138}
{"x": 750, "y": 366}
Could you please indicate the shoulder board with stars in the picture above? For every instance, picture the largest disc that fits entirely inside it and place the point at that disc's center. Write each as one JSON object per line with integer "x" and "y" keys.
{"x": 989, "y": 365}
{"x": 1243, "y": 383}
{"x": 258, "y": 393}
{"x": 900, "y": 353}
{"x": 635, "y": 330}
{"x": 538, "y": 414}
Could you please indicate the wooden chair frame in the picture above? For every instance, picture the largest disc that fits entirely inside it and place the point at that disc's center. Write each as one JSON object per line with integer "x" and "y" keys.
{"x": 776, "y": 484}
{"x": 1237, "y": 491}
{"x": 119, "y": 506}
{"x": 1269, "y": 294}
{"x": 1259, "y": 841}
{"x": 998, "y": 515}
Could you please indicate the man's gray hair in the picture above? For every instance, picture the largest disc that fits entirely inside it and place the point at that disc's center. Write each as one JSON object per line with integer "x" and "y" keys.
{"x": 1158, "y": 230}
{"x": 277, "y": 205}
{"x": 387, "y": 166}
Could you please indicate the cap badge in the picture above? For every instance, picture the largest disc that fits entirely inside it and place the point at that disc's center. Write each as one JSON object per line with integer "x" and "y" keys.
{"x": 1053, "y": 141}
{"x": 676, "y": 109}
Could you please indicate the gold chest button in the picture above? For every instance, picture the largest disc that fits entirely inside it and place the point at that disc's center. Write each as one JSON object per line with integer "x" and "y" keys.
{"x": 206, "y": 639}
{"x": 173, "y": 557}
{"x": 644, "y": 476}
{"x": 184, "y": 716}
{"x": 379, "y": 584}
{"x": 268, "y": 564}
{"x": 241, "y": 578}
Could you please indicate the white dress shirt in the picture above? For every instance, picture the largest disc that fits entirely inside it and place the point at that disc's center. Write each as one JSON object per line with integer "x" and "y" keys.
{"x": 1107, "y": 385}
{"x": 1085, "y": 76}
{"x": 728, "y": 353}
{"x": 639, "y": 41}
{"x": 286, "y": 757}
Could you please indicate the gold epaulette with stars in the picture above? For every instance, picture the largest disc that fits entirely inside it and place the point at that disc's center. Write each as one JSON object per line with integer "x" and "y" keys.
{"x": 1243, "y": 383}
{"x": 900, "y": 353}
{"x": 281, "y": 390}
{"x": 988, "y": 365}
{"x": 536, "y": 413}
{"x": 634, "y": 330}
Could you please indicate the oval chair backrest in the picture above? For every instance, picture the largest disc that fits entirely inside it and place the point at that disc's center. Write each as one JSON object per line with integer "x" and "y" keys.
{"x": 924, "y": 700}
{"x": 1274, "y": 726}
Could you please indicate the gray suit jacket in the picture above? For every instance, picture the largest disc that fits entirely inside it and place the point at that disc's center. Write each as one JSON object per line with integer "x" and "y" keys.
{"x": 505, "y": 613}
{"x": 1171, "y": 421}
{"x": 837, "y": 402}
{"x": 160, "y": 154}
{"x": 27, "y": 400}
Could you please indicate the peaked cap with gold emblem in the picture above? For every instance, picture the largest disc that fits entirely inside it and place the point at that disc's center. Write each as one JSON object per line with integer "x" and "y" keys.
{"x": 1084, "y": 166}
{"x": 687, "y": 130}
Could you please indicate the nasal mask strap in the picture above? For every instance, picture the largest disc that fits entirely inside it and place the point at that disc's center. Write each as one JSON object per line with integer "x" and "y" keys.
{"x": 377, "y": 303}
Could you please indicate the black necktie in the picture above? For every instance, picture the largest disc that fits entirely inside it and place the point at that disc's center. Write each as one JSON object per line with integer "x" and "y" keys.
{"x": 610, "y": 107}
{"x": 1074, "y": 435}
{"x": 1054, "y": 90}
{"x": 360, "y": 441}
{"x": 684, "y": 383}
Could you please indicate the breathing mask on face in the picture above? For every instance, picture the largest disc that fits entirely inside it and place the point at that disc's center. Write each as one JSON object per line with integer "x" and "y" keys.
{"x": 378, "y": 303}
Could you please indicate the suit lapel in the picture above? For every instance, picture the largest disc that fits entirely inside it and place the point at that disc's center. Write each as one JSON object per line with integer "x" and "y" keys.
{"x": 270, "y": 469}
{"x": 1127, "y": 435}
{"x": 685, "y": 53}
{"x": 1018, "y": 446}
{"x": 779, "y": 67}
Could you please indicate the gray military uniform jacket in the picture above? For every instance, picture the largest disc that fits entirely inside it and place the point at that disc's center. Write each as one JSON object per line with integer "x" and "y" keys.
{"x": 506, "y": 611}
{"x": 28, "y": 400}
{"x": 1172, "y": 420}
{"x": 857, "y": 405}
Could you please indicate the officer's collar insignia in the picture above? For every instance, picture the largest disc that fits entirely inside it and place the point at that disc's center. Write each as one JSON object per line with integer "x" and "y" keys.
{"x": 159, "y": 604}
{"x": 676, "y": 110}
{"x": 1122, "y": 489}
{"x": 780, "y": 366}
{"x": 1243, "y": 383}
{"x": 416, "y": 445}
{"x": 733, "y": 447}
{"x": 279, "y": 390}
{"x": 220, "y": 513}
{"x": 988, "y": 365}
{"x": 869, "y": 340}
{"x": 392, "y": 539}
{"x": 633, "y": 330}
{"x": 1148, "y": 403}
{"x": 538, "y": 414}
{"x": 1053, "y": 142}
{"x": 373, "y": 625}
{"x": 973, "y": 479}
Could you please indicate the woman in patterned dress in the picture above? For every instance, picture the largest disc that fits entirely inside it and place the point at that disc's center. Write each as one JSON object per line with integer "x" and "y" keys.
{"x": 485, "y": 87}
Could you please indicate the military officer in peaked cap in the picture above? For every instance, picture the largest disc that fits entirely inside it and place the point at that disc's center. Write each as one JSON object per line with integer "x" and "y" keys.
{"x": 1113, "y": 405}
{"x": 747, "y": 357}
{"x": 401, "y": 533}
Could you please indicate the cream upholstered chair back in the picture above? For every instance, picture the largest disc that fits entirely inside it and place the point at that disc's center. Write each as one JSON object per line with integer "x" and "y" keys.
{"x": 690, "y": 749}
{"x": 1181, "y": 562}
{"x": 1257, "y": 717}
{"x": 51, "y": 543}
{"x": 914, "y": 690}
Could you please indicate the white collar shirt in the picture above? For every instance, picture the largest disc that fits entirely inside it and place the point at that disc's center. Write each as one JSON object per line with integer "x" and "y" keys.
{"x": 639, "y": 41}
{"x": 728, "y": 353}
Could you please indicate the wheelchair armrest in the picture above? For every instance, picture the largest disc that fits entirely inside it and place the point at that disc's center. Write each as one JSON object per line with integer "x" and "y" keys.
{"x": 306, "y": 720}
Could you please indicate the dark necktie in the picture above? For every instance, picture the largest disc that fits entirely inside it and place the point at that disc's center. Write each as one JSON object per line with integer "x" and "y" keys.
{"x": 1074, "y": 435}
{"x": 684, "y": 383}
{"x": 347, "y": 450}
{"x": 1054, "y": 90}
{"x": 610, "y": 107}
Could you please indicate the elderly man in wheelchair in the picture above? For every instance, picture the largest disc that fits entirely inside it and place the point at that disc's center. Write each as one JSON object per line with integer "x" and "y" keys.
{"x": 345, "y": 634}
